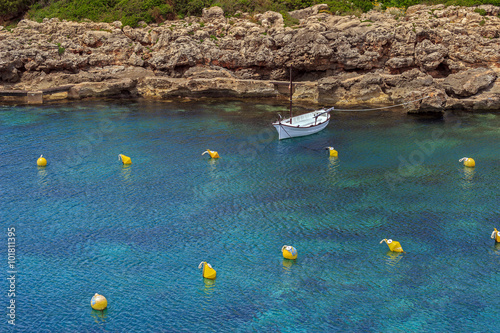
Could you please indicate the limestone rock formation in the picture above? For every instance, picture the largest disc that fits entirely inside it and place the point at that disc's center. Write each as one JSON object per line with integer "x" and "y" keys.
{"x": 437, "y": 57}
{"x": 102, "y": 89}
{"x": 469, "y": 82}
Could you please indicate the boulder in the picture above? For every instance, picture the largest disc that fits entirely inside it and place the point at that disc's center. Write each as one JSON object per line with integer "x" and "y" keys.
{"x": 470, "y": 82}
{"x": 103, "y": 89}
{"x": 272, "y": 19}
{"x": 214, "y": 13}
{"x": 199, "y": 72}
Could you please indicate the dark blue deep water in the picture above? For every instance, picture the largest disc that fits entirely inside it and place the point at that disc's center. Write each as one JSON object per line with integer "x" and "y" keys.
{"x": 86, "y": 224}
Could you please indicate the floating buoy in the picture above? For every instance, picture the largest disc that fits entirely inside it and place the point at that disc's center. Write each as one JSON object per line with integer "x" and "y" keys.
{"x": 213, "y": 154}
{"x": 393, "y": 245}
{"x": 98, "y": 302}
{"x": 496, "y": 235}
{"x": 468, "y": 162}
{"x": 208, "y": 271}
{"x": 289, "y": 252}
{"x": 124, "y": 159}
{"x": 41, "y": 161}
{"x": 333, "y": 152}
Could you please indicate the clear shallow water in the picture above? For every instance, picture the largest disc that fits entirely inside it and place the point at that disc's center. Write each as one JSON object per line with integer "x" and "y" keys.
{"x": 136, "y": 234}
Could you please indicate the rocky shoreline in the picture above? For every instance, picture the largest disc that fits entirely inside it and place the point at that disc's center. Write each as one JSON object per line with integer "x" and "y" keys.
{"x": 443, "y": 58}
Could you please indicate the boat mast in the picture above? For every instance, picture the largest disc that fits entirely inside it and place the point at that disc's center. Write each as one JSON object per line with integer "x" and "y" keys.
{"x": 290, "y": 94}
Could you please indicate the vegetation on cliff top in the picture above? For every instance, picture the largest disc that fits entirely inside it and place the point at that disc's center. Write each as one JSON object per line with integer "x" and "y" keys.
{"x": 131, "y": 12}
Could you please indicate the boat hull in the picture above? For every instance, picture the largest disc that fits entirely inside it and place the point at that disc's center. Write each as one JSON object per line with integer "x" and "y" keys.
{"x": 286, "y": 131}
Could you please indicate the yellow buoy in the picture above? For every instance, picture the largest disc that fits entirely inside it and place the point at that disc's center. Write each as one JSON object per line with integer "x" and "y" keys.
{"x": 98, "y": 302}
{"x": 393, "y": 245}
{"x": 496, "y": 235}
{"x": 41, "y": 162}
{"x": 468, "y": 162}
{"x": 289, "y": 252}
{"x": 124, "y": 159}
{"x": 208, "y": 271}
{"x": 333, "y": 152}
{"x": 213, "y": 154}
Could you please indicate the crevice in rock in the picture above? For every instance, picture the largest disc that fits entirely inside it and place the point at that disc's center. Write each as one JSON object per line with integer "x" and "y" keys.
{"x": 441, "y": 71}
{"x": 178, "y": 71}
{"x": 304, "y": 75}
{"x": 398, "y": 71}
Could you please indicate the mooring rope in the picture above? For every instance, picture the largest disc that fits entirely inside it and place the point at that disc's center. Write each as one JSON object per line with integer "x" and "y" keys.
{"x": 358, "y": 110}
{"x": 383, "y": 107}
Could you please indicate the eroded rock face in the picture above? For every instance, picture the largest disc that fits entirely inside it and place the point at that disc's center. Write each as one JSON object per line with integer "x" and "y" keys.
{"x": 102, "y": 89}
{"x": 469, "y": 82}
{"x": 213, "y": 14}
{"x": 447, "y": 55}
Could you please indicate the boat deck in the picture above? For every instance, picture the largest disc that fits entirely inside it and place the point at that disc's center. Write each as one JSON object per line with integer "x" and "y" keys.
{"x": 308, "y": 119}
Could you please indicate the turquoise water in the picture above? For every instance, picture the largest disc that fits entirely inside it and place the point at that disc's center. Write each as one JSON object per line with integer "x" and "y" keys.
{"x": 86, "y": 224}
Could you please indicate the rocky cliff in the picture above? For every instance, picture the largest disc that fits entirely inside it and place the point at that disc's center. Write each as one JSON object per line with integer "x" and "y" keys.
{"x": 447, "y": 55}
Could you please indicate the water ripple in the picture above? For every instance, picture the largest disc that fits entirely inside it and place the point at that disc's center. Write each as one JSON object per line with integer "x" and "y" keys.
{"x": 137, "y": 233}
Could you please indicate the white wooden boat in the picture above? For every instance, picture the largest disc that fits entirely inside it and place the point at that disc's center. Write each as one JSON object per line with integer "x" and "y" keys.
{"x": 305, "y": 124}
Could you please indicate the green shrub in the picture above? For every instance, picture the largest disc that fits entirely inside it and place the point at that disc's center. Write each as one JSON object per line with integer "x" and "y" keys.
{"x": 191, "y": 7}
{"x": 10, "y": 27}
{"x": 232, "y": 6}
{"x": 13, "y": 8}
{"x": 399, "y": 3}
{"x": 130, "y": 12}
{"x": 60, "y": 49}
{"x": 481, "y": 12}
{"x": 297, "y": 4}
{"x": 288, "y": 20}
